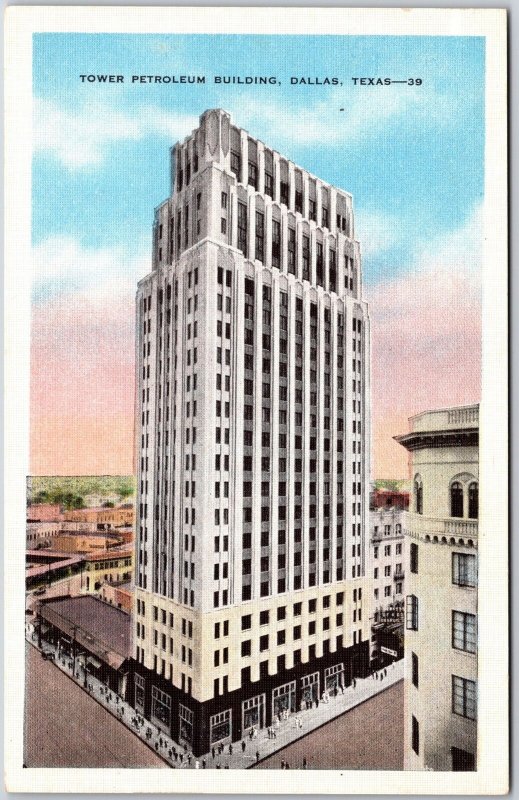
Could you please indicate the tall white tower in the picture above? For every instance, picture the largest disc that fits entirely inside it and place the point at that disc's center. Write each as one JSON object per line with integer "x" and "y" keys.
{"x": 253, "y": 436}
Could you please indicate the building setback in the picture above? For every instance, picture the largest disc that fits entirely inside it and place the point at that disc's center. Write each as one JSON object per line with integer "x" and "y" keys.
{"x": 440, "y": 687}
{"x": 251, "y": 593}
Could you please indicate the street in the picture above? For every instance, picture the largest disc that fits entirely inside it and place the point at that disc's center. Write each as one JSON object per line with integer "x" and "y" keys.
{"x": 65, "y": 727}
{"x": 370, "y": 736}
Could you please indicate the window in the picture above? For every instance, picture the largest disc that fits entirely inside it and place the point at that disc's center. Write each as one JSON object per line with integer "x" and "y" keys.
{"x": 464, "y": 635}
{"x": 473, "y": 501}
{"x": 224, "y": 199}
{"x": 414, "y": 666}
{"x": 242, "y": 228}
{"x": 246, "y": 648}
{"x": 464, "y": 569}
{"x": 418, "y": 495}
{"x": 269, "y": 184}
{"x": 260, "y": 236}
{"x": 464, "y": 697}
{"x": 236, "y": 163}
{"x": 415, "y": 735}
{"x": 264, "y": 617}
{"x": 411, "y": 621}
{"x": 292, "y": 251}
{"x": 264, "y": 643}
{"x": 456, "y": 499}
{"x": 276, "y": 243}
{"x": 413, "y": 558}
{"x": 246, "y": 622}
{"x": 253, "y": 175}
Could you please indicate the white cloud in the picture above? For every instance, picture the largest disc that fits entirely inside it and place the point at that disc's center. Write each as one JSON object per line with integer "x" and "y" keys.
{"x": 377, "y": 231}
{"x": 366, "y": 113}
{"x": 81, "y": 139}
{"x": 62, "y": 266}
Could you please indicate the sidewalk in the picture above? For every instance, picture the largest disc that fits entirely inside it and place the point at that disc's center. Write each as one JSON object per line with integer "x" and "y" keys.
{"x": 288, "y": 731}
{"x": 312, "y": 719}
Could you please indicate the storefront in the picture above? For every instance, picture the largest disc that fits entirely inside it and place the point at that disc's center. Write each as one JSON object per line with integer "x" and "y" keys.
{"x": 139, "y": 693}
{"x": 220, "y": 728}
{"x": 310, "y": 689}
{"x": 284, "y": 699}
{"x": 334, "y": 678}
{"x": 161, "y": 709}
{"x": 185, "y": 725}
{"x": 253, "y": 713}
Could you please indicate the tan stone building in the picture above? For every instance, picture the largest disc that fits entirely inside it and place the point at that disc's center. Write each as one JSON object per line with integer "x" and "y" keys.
{"x": 108, "y": 566}
{"x": 104, "y": 518}
{"x": 252, "y": 593}
{"x": 441, "y": 587}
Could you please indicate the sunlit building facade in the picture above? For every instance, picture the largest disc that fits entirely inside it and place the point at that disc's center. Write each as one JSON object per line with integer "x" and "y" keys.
{"x": 441, "y": 529}
{"x": 252, "y": 441}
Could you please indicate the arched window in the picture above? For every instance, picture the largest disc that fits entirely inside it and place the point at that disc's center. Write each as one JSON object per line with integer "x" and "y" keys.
{"x": 418, "y": 495}
{"x": 456, "y": 499}
{"x": 473, "y": 500}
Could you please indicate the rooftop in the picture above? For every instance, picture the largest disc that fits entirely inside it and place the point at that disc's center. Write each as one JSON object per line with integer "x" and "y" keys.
{"x": 108, "y": 555}
{"x": 444, "y": 427}
{"x": 100, "y": 627}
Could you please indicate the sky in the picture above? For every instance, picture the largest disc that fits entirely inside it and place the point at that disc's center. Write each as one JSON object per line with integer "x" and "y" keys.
{"x": 411, "y": 155}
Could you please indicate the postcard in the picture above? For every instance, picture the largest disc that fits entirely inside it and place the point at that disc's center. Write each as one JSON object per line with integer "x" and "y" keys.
{"x": 256, "y": 400}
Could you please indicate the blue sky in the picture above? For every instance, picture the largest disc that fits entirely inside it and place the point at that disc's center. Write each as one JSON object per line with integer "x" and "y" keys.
{"x": 411, "y": 156}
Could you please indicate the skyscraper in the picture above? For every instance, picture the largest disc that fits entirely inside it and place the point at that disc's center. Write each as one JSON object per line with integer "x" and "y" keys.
{"x": 252, "y": 442}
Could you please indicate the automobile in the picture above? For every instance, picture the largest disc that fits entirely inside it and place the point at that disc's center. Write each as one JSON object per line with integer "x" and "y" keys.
{"x": 47, "y": 655}
{"x": 40, "y": 590}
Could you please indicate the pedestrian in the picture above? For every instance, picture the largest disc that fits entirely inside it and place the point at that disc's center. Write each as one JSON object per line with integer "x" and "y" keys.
{"x": 230, "y": 749}
{"x": 287, "y": 765}
{"x": 181, "y": 756}
{"x": 218, "y": 766}
{"x": 257, "y": 756}
{"x": 243, "y": 746}
{"x": 226, "y": 766}
{"x": 304, "y": 763}
{"x": 213, "y": 752}
{"x": 283, "y": 764}
{"x": 203, "y": 763}
{"x": 189, "y": 758}
{"x": 197, "y": 764}
{"x": 385, "y": 672}
{"x": 156, "y": 746}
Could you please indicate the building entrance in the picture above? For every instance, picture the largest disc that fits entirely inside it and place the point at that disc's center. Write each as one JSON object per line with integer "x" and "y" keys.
{"x": 220, "y": 728}
{"x": 161, "y": 709}
{"x": 310, "y": 689}
{"x": 284, "y": 699}
{"x": 253, "y": 713}
{"x": 334, "y": 678}
{"x": 185, "y": 733}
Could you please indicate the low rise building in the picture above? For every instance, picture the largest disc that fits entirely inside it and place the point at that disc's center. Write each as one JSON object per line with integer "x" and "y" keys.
{"x": 94, "y": 634}
{"x": 44, "y": 512}
{"x": 72, "y": 542}
{"x": 104, "y": 518}
{"x": 387, "y": 498}
{"x": 107, "y": 567}
{"x": 118, "y": 594}
{"x": 43, "y": 534}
